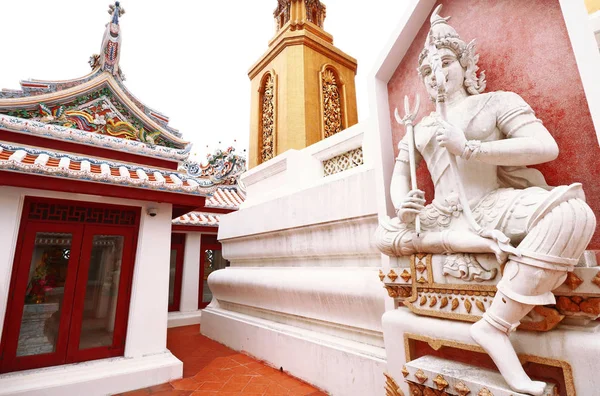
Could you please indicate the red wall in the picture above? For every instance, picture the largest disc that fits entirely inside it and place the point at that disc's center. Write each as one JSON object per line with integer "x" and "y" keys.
{"x": 524, "y": 47}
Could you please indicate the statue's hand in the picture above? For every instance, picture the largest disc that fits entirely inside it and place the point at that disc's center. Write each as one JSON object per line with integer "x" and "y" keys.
{"x": 411, "y": 206}
{"x": 450, "y": 137}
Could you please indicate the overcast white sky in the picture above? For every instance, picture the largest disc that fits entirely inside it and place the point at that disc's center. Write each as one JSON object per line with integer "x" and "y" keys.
{"x": 186, "y": 59}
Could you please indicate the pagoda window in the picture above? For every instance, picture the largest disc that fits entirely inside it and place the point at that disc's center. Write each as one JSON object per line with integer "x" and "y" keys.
{"x": 267, "y": 119}
{"x": 332, "y": 102}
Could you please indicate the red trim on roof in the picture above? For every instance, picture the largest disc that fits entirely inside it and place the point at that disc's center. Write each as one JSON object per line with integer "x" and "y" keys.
{"x": 60, "y": 145}
{"x": 192, "y": 228}
{"x": 43, "y": 182}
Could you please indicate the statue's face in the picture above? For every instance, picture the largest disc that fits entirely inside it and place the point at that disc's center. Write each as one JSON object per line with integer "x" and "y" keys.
{"x": 453, "y": 71}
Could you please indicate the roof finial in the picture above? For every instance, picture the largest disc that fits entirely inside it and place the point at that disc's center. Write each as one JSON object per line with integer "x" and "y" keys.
{"x": 116, "y": 11}
{"x": 108, "y": 60}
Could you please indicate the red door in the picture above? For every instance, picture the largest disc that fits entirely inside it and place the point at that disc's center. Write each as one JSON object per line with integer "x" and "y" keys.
{"x": 70, "y": 288}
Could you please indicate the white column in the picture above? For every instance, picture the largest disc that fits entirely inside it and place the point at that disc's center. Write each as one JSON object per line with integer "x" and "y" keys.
{"x": 147, "y": 325}
{"x": 191, "y": 273}
{"x": 11, "y": 207}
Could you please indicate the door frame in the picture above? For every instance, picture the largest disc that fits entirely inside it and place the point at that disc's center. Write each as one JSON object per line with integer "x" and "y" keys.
{"x": 207, "y": 242}
{"x": 178, "y": 244}
{"x": 20, "y": 273}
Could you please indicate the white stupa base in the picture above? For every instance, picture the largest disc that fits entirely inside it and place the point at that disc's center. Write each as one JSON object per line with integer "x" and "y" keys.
{"x": 336, "y": 365}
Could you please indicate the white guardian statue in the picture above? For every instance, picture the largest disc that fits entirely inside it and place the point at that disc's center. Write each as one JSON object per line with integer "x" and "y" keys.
{"x": 477, "y": 147}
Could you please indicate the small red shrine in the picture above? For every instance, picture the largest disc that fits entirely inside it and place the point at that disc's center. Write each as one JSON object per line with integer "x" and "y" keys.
{"x": 97, "y": 196}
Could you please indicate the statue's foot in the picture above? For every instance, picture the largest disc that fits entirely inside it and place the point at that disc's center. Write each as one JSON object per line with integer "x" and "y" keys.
{"x": 498, "y": 346}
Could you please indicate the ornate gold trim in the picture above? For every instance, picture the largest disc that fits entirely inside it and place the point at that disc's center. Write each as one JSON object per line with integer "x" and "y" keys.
{"x": 392, "y": 275}
{"x": 440, "y": 382}
{"x": 462, "y": 389}
{"x": 436, "y": 344}
{"x": 420, "y": 376}
{"x": 391, "y": 386}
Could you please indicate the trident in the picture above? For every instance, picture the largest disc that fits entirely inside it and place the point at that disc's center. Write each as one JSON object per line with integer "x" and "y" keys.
{"x": 408, "y": 122}
{"x": 435, "y": 61}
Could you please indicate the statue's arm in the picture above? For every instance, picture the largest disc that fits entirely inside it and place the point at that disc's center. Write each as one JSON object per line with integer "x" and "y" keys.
{"x": 527, "y": 141}
{"x": 400, "y": 185}
{"x": 531, "y": 144}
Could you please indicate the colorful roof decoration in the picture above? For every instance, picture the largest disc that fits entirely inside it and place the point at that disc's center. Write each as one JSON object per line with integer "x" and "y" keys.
{"x": 96, "y": 103}
{"x": 30, "y": 160}
{"x": 224, "y": 198}
{"x": 97, "y": 110}
{"x": 197, "y": 219}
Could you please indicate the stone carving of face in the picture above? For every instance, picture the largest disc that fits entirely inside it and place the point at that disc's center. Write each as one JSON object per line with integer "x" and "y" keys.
{"x": 454, "y": 72}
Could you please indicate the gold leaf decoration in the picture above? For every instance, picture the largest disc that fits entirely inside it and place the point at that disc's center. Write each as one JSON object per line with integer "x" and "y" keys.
{"x": 391, "y": 386}
{"x": 468, "y": 306}
{"x": 462, "y": 389}
{"x": 421, "y": 267}
{"x": 480, "y": 305}
{"x": 440, "y": 382}
{"x": 485, "y": 392}
{"x": 392, "y": 291}
{"x": 423, "y": 300}
{"x": 573, "y": 281}
{"x": 381, "y": 275}
{"x": 444, "y": 302}
{"x": 455, "y": 304}
{"x": 392, "y": 275}
{"x": 422, "y": 280}
{"x": 405, "y": 371}
{"x": 332, "y": 105}
{"x": 405, "y": 275}
{"x": 596, "y": 280}
{"x": 429, "y": 392}
{"x": 268, "y": 119}
{"x": 432, "y": 302}
{"x": 420, "y": 376}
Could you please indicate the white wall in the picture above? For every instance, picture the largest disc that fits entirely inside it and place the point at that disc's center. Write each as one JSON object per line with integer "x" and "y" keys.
{"x": 191, "y": 273}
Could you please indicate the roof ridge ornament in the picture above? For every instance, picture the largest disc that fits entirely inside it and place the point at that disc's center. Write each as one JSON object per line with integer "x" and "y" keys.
{"x": 108, "y": 60}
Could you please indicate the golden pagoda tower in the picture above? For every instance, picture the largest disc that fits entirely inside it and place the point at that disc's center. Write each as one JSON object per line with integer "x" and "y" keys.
{"x": 302, "y": 87}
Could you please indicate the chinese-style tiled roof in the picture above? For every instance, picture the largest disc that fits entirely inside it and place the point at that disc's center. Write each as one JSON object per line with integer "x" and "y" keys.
{"x": 25, "y": 159}
{"x": 98, "y": 103}
{"x": 224, "y": 198}
{"x": 198, "y": 219}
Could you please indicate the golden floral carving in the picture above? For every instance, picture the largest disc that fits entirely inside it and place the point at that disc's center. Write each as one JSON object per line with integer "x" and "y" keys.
{"x": 423, "y": 300}
{"x": 391, "y": 386}
{"x": 468, "y": 306}
{"x": 405, "y": 275}
{"x": 485, "y": 392}
{"x": 550, "y": 319}
{"x": 420, "y": 376}
{"x": 392, "y": 291}
{"x": 462, "y": 389}
{"x": 392, "y": 275}
{"x": 332, "y": 104}
{"x": 573, "y": 281}
{"x": 381, "y": 275}
{"x": 422, "y": 280}
{"x": 454, "y": 303}
{"x": 268, "y": 119}
{"x": 440, "y": 382}
{"x": 420, "y": 267}
{"x": 444, "y": 302}
{"x": 429, "y": 392}
{"x": 414, "y": 389}
{"x": 591, "y": 306}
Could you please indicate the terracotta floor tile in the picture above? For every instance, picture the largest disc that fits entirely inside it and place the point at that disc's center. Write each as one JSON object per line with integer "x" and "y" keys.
{"x": 242, "y": 359}
{"x": 213, "y": 369}
{"x": 255, "y": 388}
{"x": 212, "y": 386}
{"x": 185, "y": 384}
